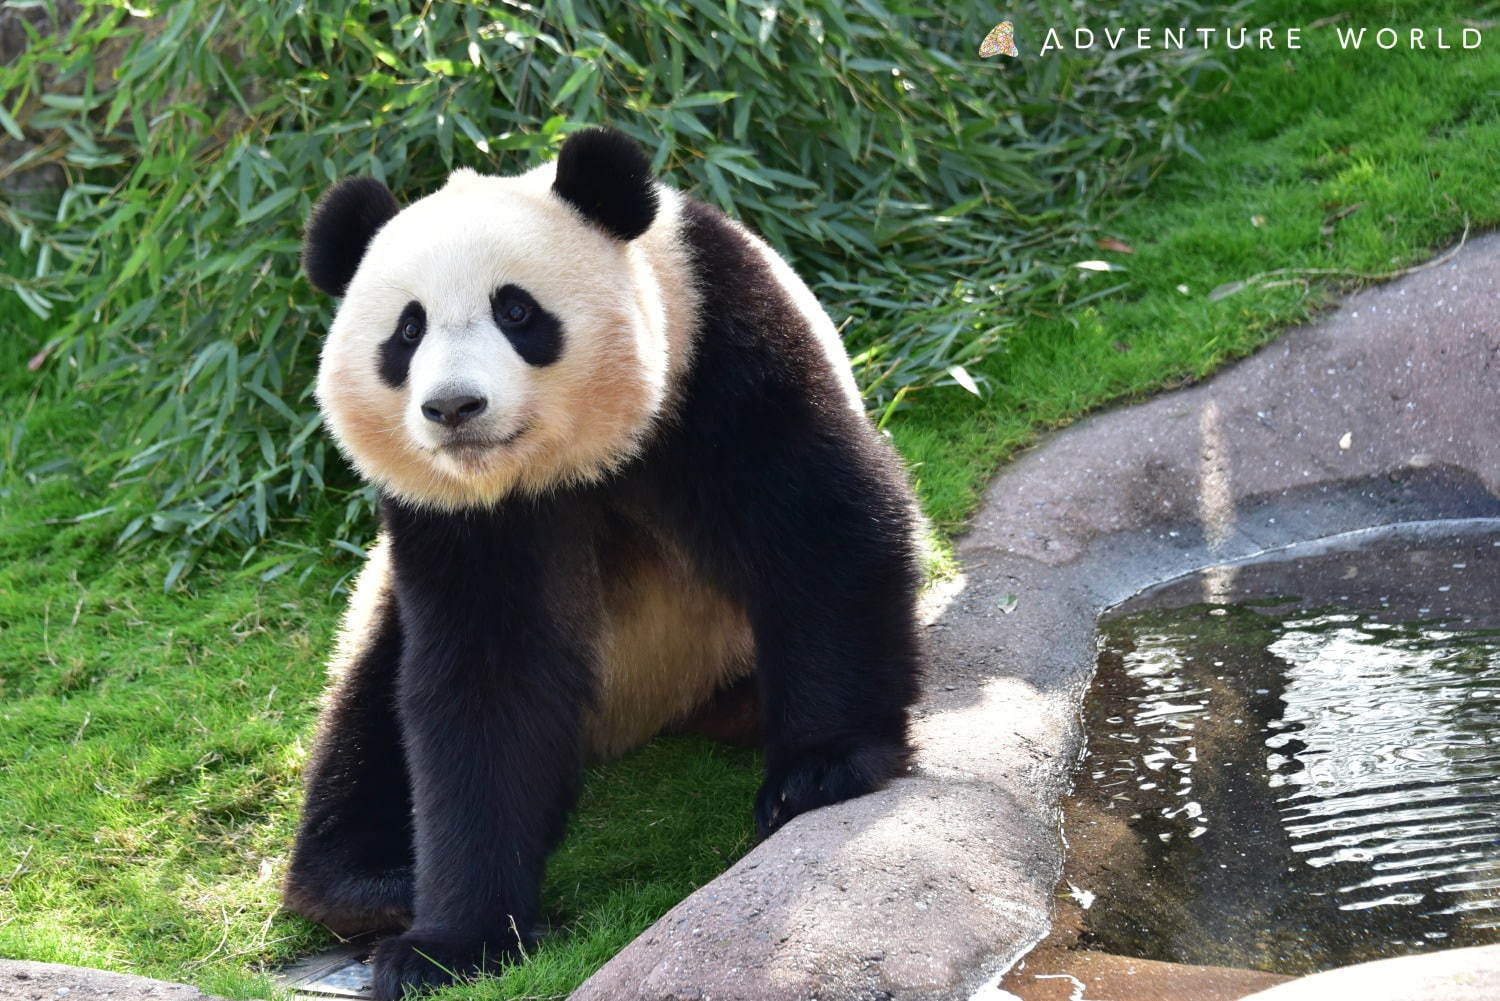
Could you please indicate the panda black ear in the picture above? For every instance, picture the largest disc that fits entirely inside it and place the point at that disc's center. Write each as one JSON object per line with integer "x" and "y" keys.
{"x": 605, "y": 175}
{"x": 340, "y": 228}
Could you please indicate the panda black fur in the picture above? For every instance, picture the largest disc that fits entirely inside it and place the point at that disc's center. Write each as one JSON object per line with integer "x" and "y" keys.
{"x": 672, "y": 490}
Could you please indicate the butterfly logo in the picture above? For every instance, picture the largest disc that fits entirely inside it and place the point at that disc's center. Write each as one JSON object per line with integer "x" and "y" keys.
{"x": 1001, "y": 41}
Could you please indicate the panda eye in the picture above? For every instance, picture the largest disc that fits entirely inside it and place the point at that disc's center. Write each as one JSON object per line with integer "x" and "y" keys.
{"x": 411, "y": 331}
{"x": 534, "y": 333}
{"x": 515, "y": 313}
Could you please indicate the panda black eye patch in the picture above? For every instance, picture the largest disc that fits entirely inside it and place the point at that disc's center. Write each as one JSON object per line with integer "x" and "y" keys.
{"x": 397, "y": 349}
{"x": 536, "y": 334}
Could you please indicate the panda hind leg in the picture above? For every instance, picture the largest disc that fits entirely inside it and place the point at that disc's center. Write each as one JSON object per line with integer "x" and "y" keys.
{"x": 730, "y": 716}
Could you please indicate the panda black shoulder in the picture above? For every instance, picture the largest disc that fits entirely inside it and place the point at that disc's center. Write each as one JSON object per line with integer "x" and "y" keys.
{"x": 762, "y": 405}
{"x": 751, "y": 335}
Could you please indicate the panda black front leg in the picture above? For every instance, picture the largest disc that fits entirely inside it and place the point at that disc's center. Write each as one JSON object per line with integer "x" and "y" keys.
{"x": 496, "y": 673}
{"x": 812, "y": 530}
{"x": 351, "y": 865}
{"x": 838, "y": 660}
{"x": 796, "y": 507}
{"x": 835, "y": 725}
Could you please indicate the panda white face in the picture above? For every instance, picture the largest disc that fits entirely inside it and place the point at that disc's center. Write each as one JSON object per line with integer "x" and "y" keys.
{"x": 492, "y": 338}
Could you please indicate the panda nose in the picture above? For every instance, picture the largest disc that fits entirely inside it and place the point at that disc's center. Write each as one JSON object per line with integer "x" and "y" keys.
{"x": 451, "y": 411}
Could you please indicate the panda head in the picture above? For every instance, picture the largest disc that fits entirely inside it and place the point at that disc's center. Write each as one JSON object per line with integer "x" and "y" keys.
{"x": 500, "y": 334}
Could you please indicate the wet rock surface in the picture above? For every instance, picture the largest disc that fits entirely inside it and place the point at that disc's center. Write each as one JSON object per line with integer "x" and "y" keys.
{"x": 1385, "y": 411}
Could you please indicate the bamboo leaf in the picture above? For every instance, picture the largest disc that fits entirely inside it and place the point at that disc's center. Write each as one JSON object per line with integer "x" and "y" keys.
{"x": 927, "y": 200}
{"x": 267, "y": 205}
{"x": 10, "y": 125}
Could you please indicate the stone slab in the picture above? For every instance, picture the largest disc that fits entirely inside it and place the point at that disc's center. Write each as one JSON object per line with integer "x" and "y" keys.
{"x": 26, "y": 981}
{"x": 1451, "y": 975}
{"x": 1067, "y": 976}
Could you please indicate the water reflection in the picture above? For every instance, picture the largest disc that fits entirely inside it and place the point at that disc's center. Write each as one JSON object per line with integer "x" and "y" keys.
{"x": 1304, "y": 784}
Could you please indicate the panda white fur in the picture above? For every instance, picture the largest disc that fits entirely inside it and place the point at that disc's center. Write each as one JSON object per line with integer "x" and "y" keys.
{"x": 625, "y": 478}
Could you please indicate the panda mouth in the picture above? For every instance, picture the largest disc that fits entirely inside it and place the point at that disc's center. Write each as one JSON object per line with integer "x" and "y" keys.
{"x": 472, "y": 448}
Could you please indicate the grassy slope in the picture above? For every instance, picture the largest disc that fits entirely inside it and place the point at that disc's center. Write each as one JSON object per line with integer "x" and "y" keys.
{"x": 150, "y": 742}
{"x": 1410, "y": 137}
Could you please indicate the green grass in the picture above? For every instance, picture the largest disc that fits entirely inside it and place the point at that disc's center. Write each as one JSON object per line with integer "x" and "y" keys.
{"x": 151, "y": 740}
{"x": 1406, "y": 139}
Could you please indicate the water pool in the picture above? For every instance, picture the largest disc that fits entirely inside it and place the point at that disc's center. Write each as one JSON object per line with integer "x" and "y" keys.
{"x": 1294, "y": 764}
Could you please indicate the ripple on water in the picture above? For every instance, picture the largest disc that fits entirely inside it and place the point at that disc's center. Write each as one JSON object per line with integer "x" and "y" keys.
{"x": 1303, "y": 784}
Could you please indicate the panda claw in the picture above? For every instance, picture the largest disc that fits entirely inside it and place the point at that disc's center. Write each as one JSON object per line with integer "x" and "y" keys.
{"x": 820, "y": 778}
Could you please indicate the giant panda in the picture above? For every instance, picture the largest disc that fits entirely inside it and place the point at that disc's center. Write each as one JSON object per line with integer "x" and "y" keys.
{"x": 623, "y": 470}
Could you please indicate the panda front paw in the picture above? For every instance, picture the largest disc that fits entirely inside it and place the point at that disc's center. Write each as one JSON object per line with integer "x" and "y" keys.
{"x": 419, "y": 961}
{"x": 349, "y": 901}
{"x": 820, "y": 777}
